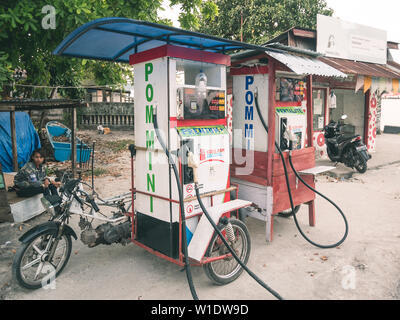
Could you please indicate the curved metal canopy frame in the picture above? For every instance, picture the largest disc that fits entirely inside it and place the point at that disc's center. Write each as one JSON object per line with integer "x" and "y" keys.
{"x": 115, "y": 39}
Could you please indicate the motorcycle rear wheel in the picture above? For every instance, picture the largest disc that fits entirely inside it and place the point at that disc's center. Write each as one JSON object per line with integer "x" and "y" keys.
{"x": 361, "y": 164}
{"x": 330, "y": 156}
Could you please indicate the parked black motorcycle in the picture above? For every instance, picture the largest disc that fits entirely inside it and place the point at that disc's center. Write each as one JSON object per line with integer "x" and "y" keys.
{"x": 349, "y": 150}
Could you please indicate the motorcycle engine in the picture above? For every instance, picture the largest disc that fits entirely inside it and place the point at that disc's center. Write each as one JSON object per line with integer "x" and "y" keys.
{"x": 107, "y": 234}
{"x": 89, "y": 237}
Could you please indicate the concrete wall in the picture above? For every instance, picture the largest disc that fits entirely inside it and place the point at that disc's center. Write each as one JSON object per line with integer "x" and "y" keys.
{"x": 390, "y": 113}
{"x": 352, "y": 104}
{"x": 110, "y": 108}
{"x": 52, "y": 114}
{"x": 109, "y": 114}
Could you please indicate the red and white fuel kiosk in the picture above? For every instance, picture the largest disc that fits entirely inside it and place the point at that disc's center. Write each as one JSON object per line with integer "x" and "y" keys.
{"x": 165, "y": 79}
{"x": 285, "y": 100}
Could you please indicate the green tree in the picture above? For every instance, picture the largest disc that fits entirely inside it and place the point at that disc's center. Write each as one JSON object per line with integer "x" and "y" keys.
{"x": 262, "y": 19}
{"x": 26, "y": 45}
{"x": 195, "y": 11}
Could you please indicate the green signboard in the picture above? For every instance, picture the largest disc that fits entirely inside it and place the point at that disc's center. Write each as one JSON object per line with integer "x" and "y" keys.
{"x": 289, "y": 110}
{"x": 201, "y": 131}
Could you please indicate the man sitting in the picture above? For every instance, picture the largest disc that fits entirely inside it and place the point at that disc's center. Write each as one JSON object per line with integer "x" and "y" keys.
{"x": 32, "y": 178}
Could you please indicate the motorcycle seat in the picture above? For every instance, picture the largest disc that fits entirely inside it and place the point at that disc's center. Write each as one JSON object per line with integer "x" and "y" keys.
{"x": 346, "y": 138}
{"x": 331, "y": 140}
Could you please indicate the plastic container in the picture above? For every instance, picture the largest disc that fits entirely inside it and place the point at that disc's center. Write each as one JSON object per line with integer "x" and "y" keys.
{"x": 62, "y": 150}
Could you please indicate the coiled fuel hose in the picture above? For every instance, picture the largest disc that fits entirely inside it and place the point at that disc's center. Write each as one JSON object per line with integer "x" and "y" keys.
{"x": 307, "y": 185}
{"x": 183, "y": 218}
{"x": 251, "y": 273}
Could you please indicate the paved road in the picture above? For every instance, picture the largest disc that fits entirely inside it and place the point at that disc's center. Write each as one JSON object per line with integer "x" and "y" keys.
{"x": 387, "y": 152}
{"x": 366, "y": 266}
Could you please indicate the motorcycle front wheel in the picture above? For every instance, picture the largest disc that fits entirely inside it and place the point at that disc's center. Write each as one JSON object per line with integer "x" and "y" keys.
{"x": 32, "y": 267}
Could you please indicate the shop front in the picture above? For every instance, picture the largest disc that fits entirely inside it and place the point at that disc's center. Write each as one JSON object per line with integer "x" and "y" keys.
{"x": 360, "y": 52}
{"x": 358, "y": 96}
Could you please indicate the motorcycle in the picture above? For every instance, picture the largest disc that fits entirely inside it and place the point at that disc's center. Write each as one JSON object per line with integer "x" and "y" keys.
{"x": 46, "y": 248}
{"x": 349, "y": 150}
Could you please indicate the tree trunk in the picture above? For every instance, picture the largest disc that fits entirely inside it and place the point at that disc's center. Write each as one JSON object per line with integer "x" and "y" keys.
{"x": 43, "y": 116}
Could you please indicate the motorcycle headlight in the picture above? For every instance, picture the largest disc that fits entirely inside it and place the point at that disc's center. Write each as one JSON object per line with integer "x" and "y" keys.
{"x": 48, "y": 206}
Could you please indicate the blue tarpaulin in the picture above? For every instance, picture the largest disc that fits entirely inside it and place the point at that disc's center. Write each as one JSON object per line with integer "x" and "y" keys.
{"x": 27, "y": 139}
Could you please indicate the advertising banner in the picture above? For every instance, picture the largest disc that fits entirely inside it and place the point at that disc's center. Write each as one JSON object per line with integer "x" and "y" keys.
{"x": 340, "y": 39}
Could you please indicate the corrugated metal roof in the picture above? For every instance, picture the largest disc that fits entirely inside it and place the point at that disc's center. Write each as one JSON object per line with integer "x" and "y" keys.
{"x": 394, "y": 65}
{"x": 306, "y": 65}
{"x": 296, "y": 50}
{"x": 361, "y": 68}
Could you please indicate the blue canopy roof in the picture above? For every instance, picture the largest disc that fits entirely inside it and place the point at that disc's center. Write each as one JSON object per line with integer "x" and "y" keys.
{"x": 115, "y": 39}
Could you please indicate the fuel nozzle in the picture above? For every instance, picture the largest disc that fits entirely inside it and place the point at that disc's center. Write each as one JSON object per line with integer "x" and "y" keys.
{"x": 292, "y": 139}
{"x": 194, "y": 164}
{"x": 256, "y": 93}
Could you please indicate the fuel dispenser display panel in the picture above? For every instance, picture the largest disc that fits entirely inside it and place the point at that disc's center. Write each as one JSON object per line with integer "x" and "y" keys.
{"x": 212, "y": 107}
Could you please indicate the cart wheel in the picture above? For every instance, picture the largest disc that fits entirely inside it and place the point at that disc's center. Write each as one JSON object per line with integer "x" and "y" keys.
{"x": 227, "y": 270}
{"x": 288, "y": 213}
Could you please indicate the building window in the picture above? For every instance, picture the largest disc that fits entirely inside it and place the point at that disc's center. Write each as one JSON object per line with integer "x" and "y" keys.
{"x": 319, "y": 106}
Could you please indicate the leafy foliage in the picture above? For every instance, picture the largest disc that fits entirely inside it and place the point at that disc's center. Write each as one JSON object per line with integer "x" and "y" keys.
{"x": 262, "y": 19}
{"x": 26, "y": 45}
{"x": 5, "y": 67}
{"x": 195, "y": 11}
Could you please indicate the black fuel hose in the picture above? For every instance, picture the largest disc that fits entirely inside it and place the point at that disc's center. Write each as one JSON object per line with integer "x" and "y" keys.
{"x": 307, "y": 185}
{"x": 183, "y": 218}
{"x": 251, "y": 273}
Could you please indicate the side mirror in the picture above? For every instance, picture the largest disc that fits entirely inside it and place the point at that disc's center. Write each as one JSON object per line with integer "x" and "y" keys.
{"x": 343, "y": 117}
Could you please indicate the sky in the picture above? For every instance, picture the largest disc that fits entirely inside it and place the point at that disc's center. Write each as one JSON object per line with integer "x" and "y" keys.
{"x": 381, "y": 14}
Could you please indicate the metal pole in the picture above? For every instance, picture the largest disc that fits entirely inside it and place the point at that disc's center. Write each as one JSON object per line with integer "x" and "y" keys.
{"x": 309, "y": 111}
{"x": 80, "y": 154}
{"x": 241, "y": 25}
{"x": 94, "y": 142}
{"x": 73, "y": 141}
{"x": 310, "y": 130}
{"x": 366, "y": 115}
{"x": 271, "y": 120}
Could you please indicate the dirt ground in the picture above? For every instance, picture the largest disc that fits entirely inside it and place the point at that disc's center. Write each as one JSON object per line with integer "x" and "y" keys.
{"x": 365, "y": 266}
